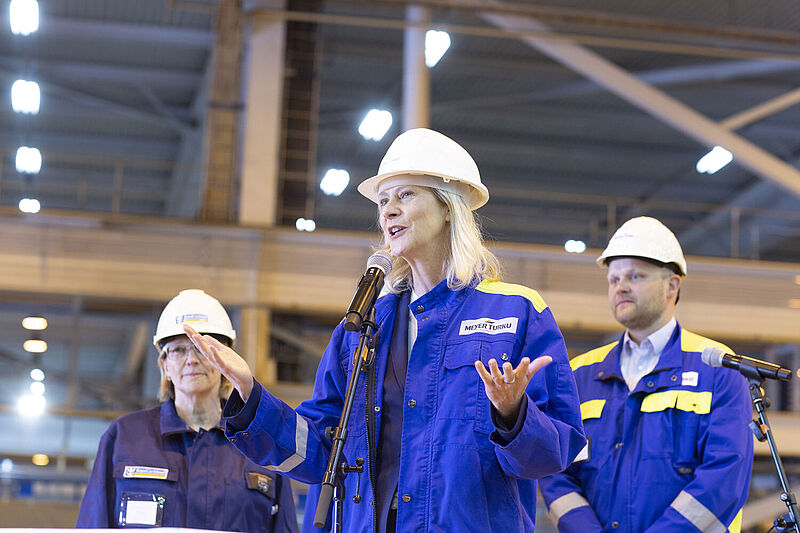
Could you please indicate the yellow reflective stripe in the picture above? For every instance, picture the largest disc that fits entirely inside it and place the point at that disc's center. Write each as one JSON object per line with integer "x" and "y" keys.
{"x": 692, "y": 342}
{"x": 592, "y": 409}
{"x": 511, "y": 289}
{"x": 736, "y": 525}
{"x": 565, "y": 504}
{"x": 693, "y": 402}
{"x": 697, "y": 513}
{"x": 592, "y": 357}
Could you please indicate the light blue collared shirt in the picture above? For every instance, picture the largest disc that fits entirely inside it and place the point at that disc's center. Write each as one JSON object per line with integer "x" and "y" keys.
{"x": 636, "y": 361}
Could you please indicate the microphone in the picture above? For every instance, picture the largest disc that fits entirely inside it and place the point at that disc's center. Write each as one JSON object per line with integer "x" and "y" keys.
{"x": 751, "y": 368}
{"x": 378, "y": 266}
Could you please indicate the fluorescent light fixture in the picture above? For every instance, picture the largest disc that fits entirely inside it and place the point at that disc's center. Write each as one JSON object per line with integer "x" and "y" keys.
{"x": 40, "y": 459}
{"x": 30, "y": 405}
{"x": 303, "y": 224}
{"x": 37, "y": 388}
{"x": 28, "y": 160}
{"x": 794, "y": 303}
{"x": 714, "y": 160}
{"x": 25, "y": 97}
{"x": 24, "y": 16}
{"x": 375, "y": 124}
{"x": 35, "y": 346}
{"x": 436, "y": 44}
{"x": 6, "y": 465}
{"x": 575, "y": 247}
{"x": 34, "y": 323}
{"x": 29, "y": 205}
{"x": 37, "y": 374}
{"x": 335, "y": 181}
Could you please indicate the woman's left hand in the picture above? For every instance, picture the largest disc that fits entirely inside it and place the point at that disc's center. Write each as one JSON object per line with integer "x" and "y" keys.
{"x": 505, "y": 389}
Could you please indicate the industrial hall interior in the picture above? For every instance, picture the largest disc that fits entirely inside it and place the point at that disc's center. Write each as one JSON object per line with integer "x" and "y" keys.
{"x": 159, "y": 156}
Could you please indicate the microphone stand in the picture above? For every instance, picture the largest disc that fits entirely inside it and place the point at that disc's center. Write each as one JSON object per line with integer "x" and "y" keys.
{"x": 333, "y": 481}
{"x": 762, "y": 430}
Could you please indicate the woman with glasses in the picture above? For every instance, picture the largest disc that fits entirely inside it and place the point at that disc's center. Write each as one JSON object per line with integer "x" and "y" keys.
{"x": 171, "y": 466}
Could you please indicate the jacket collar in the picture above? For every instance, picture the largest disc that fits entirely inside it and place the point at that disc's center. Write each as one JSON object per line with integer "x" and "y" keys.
{"x": 671, "y": 357}
{"x": 172, "y": 424}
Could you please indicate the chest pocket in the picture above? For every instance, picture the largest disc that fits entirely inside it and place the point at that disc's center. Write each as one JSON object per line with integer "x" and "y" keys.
{"x": 675, "y": 415}
{"x": 461, "y": 392}
{"x": 251, "y": 500}
{"x": 150, "y": 479}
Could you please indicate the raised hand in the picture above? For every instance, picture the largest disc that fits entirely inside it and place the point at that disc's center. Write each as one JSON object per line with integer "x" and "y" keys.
{"x": 229, "y": 363}
{"x": 505, "y": 389}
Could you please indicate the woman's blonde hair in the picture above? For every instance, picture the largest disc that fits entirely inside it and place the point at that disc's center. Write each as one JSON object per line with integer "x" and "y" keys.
{"x": 166, "y": 390}
{"x": 468, "y": 259}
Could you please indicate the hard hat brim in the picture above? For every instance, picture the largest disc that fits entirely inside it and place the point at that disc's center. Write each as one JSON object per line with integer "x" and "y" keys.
{"x": 474, "y": 195}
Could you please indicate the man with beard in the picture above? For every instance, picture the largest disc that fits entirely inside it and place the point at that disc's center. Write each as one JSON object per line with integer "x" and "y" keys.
{"x": 669, "y": 445}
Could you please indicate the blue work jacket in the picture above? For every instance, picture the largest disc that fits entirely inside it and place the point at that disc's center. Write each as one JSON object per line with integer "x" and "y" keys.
{"x": 674, "y": 454}
{"x": 151, "y": 462}
{"x": 456, "y": 473}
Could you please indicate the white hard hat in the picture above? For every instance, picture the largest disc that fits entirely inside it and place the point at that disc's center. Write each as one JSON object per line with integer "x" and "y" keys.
{"x": 428, "y": 158}
{"x": 645, "y": 237}
{"x": 196, "y": 308}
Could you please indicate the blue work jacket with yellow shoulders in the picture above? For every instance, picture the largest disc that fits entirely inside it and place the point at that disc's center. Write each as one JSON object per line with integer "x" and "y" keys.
{"x": 153, "y": 470}
{"x": 454, "y": 474}
{"x": 674, "y": 454}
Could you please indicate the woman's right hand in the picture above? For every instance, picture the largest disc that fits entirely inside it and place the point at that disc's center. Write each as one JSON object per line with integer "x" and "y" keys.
{"x": 229, "y": 363}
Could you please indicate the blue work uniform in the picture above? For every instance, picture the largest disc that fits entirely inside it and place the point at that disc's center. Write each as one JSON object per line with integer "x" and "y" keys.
{"x": 456, "y": 472}
{"x": 673, "y": 454}
{"x": 152, "y": 470}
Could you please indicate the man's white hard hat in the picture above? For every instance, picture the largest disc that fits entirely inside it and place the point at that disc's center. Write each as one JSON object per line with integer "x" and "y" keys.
{"x": 198, "y": 309}
{"x": 425, "y": 157}
{"x": 645, "y": 237}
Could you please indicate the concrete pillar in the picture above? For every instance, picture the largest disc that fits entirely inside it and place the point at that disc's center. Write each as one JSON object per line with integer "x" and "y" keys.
{"x": 416, "y": 75}
{"x": 252, "y": 343}
{"x": 264, "y": 64}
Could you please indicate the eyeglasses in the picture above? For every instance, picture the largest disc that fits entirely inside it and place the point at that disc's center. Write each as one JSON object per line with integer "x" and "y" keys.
{"x": 180, "y": 351}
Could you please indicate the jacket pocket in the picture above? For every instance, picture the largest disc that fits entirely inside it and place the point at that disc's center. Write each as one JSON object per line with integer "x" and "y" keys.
{"x": 146, "y": 478}
{"x": 251, "y": 500}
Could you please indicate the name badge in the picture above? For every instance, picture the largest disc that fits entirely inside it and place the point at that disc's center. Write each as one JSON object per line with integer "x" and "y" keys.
{"x": 689, "y": 379}
{"x": 141, "y": 509}
{"x": 145, "y": 472}
{"x": 491, "y": 326}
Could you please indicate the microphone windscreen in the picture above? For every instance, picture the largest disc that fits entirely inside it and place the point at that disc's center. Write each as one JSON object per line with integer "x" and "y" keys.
{"x": 712, "y": 355}
{"x": 381, "y": 261}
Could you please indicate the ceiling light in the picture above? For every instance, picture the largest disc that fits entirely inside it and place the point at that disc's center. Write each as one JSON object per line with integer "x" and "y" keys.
{"x": 303, "y": 224}
{"x": 35, "y": 346}
{"x": 25, "y": 97}
{"x": 794, "y": 303}
{"x": 37, "y": 374}
{"x": 28, "y": 160}
{"x": 714, "y": 160}
{"x": 6, "y": 465}
{"x": 40, "y": 459}
{"x": 575, "y": 247}
{"x": 436, "y": 44}
{"x": 335, "y": 181}
{"x": 24, "y": 16}
{"x": 34, "y": 322}
{"x": 37, "y": 388}
{"x": 797, "y": 280}
{"x": 30, "y": 405}
{"x": 29, "y": 205}
{"x": 375, "y": 124}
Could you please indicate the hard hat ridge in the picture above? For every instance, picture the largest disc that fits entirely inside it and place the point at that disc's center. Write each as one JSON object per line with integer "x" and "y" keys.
{"x": 198, "y": 309}
{"x": 647, "y": 238}
{"x": 425, "y": 157}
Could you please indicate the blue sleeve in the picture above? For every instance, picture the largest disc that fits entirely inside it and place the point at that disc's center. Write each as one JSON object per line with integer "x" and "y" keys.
{"x": 552, "y": 434}
{"x": 725, "y": 448}
{"x": 567, "y": 504}
{"x": 288, "y": 441}
{"x": 97, "y": 506}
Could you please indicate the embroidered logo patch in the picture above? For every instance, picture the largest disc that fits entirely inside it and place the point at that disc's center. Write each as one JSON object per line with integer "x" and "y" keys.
{"x": 491, "y": 326}
{"x": 145, "y": 472}
{"x": 689, "y": 379}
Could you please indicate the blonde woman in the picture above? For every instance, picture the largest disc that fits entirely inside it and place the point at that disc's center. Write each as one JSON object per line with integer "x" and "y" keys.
{"x": 471, "y": 398}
